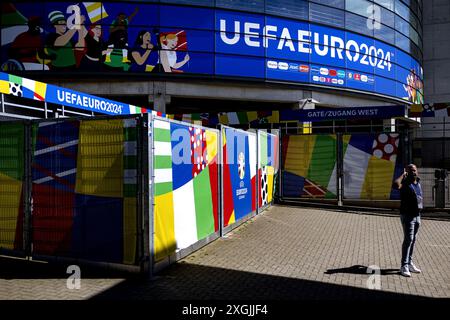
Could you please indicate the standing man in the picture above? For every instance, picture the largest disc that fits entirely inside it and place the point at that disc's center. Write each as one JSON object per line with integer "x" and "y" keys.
{"x": 410, "y": 208}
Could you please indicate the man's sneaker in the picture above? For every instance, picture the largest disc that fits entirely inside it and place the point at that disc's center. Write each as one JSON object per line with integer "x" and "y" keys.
{"x": 413, "y": 268}
{"x": 404, "y": 271}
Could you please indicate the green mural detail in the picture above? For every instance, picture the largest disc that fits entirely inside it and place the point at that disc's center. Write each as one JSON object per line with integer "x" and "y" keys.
{"x": 323, "y": 160}
{"x": 11, "y": 150}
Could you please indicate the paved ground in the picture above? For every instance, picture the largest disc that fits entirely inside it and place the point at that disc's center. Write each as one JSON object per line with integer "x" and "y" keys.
{"x": 286, "y": 253}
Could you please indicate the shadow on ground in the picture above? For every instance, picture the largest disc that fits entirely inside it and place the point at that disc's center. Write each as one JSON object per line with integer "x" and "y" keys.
{"x": 19, "y": 268}
{"x": 184, "y": 281}
{"x": 360, "y": 269}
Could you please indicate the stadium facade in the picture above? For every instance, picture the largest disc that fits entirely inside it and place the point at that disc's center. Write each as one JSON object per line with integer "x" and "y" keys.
{"x": 221, "y": 55}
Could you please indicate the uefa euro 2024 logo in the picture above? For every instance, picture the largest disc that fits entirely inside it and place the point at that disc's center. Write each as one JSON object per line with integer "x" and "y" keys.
{"x": 241, "y": 165}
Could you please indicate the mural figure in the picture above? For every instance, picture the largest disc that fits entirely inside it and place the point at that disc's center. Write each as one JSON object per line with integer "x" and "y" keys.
{"x": 95, "y": 49}
{"x": 118, "y": 36}
{"x": 141, "y": 52}
{"x": 168, "y": 54}
{"x": 414, "y": 87}
{"x": 60, "y": 44}
{"x": 28, "y": 47}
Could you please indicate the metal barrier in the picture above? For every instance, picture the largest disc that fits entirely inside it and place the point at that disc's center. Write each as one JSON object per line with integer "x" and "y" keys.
{"x": 69, "y": 189}
{"x": 129, "y": 192}
{"x": 84, "y": 189}
{"x": 309, "y": 164}
{"x": 12, "y": 186}
{"x": 239, "y": 176}
{"x": 185, "y": 189}
{"x": 268, "y": 167}
{"x": 428, "y": 182}
{"x": 357, "y": 166}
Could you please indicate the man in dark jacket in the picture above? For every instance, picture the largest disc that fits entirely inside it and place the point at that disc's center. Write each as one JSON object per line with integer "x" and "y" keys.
{"x": 411, "y": 205}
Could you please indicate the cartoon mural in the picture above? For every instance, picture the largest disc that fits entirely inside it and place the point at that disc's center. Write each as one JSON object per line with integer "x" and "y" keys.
{"x": 414, "y": 87}
{"x": 170, "y": 44}
{"x": 154, "y": 37}
{"x": 105, "y": 38}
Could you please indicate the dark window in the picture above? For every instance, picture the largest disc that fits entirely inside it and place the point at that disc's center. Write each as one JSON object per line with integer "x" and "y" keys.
{"x": 361, "y": 7}
{"x": 415, "y": 51}
{"x": 402, "y": 26}
{"x": 248, "y": 5}
{"x": 414, "y": 7}
{"x": 414, "y": 22}
{"x": 332, "y": 3}
{"x": 389, "y": 4}
{"x": 402, "y": 42}
{"x": 297, "y": 9}
{"x": 385, "y": 33}
{"x": 357, "y": 23}
{"x": 414, "y": 36}
{"x": 326, "y": 15}
{"x": 407, "y": 2}
{"x": 387, "y": 17}
{"x": 208, "y": 3}
{"x": 402, "y": 10}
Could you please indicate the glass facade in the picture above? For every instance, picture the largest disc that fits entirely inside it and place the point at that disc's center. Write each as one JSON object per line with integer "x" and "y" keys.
{"x": 365, "y": 45}
{"x": 403, "y": 16}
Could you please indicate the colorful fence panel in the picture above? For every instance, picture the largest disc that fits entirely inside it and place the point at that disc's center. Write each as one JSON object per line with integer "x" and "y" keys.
{"x": 268, "y": 145}
{"x": 84, "y": 177}
{"x": 11, "y": 185}
{"x": 186, "y": 195}
{"x": 85, "y": 189}
{"x": 309, "y": 163}
{"x": 238, "y": 174}
{"x": 371, "y": 163}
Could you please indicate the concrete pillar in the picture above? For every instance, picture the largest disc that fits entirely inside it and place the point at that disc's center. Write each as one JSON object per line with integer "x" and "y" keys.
{"x": 159, "y": 98}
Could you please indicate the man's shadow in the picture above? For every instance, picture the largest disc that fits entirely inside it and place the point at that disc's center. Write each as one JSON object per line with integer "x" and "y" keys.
{"x": 360, "y": 269}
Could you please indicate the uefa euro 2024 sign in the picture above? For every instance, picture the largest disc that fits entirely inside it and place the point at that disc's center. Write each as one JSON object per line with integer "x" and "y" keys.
{"x": 325, "y": 45}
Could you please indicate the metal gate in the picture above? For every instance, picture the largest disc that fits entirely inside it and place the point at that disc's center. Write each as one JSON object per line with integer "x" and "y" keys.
{"x": 341, "y": 166}
{"x": 428, "y": 183}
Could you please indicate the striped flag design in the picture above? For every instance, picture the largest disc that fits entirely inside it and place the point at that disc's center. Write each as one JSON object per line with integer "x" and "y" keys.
{"x": 163, "y": 157}
{"x": 95, "y": 11}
